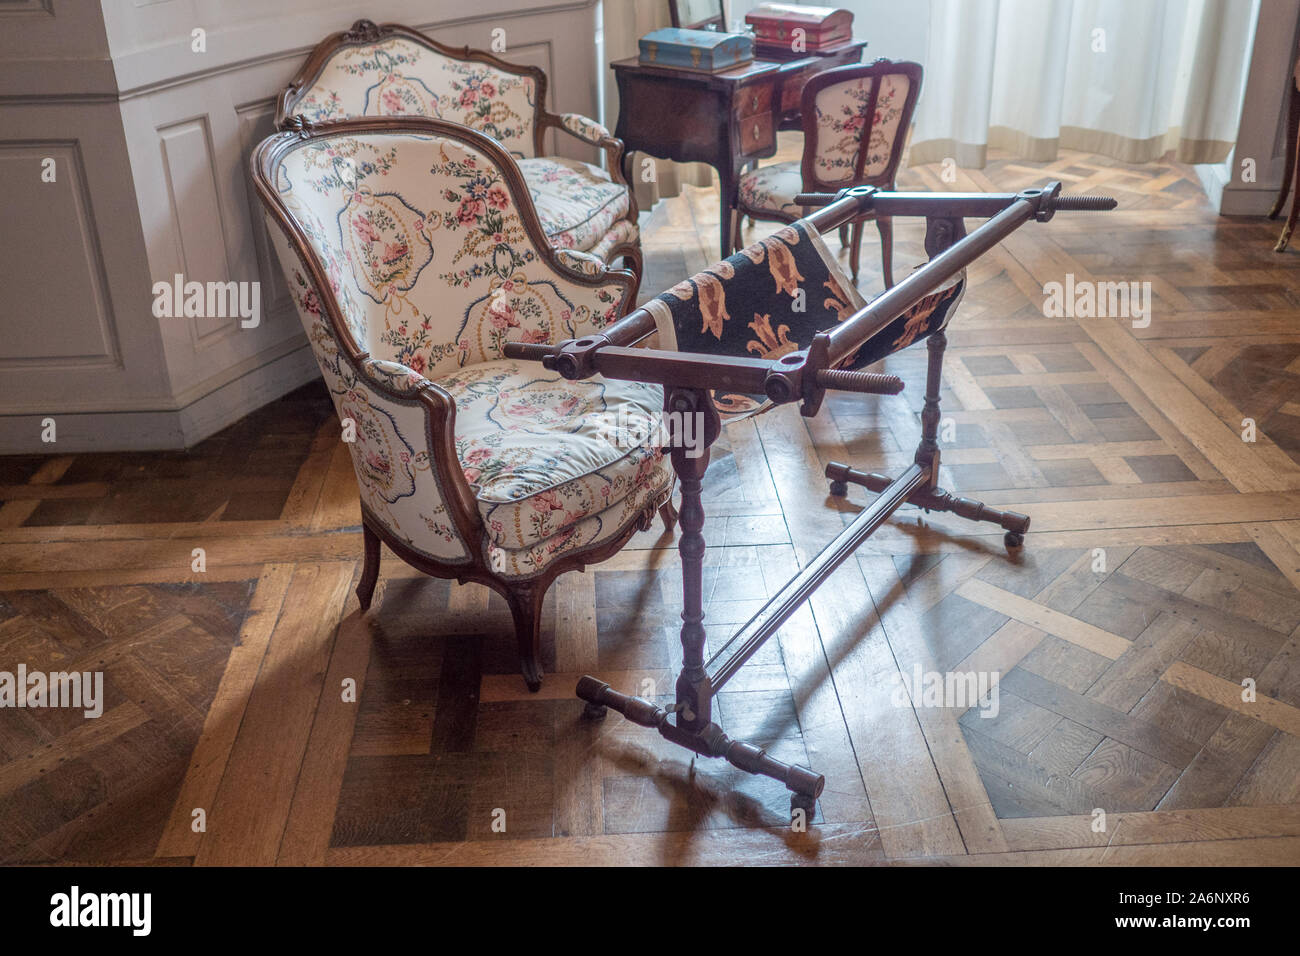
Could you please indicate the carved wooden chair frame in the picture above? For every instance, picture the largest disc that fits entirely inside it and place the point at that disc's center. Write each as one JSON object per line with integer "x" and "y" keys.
{"x": 884, "y": 180}
{"x": 523, "y": 595}
{"x": 367, "y": 32}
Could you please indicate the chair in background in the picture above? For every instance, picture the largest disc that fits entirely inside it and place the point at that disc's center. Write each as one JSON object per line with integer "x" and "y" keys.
{"x": 413, "y": 255}
{"x": 855, "y": 121}
{"x": 393, "y": 70}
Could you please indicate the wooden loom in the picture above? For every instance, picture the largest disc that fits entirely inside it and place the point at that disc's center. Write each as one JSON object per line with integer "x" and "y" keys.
{"x": 689, "y": 380}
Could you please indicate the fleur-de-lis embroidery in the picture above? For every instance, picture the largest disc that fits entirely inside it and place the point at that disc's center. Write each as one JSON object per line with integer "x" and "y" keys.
{"x": 769, "y": 344}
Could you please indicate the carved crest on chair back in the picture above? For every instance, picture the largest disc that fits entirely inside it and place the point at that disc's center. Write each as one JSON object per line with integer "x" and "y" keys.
{"x": 363, "y": 31}
{"x": 391, "y": 70}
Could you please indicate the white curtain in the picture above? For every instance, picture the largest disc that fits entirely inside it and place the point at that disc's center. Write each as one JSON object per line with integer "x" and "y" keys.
{"x": 1130, "y": 79}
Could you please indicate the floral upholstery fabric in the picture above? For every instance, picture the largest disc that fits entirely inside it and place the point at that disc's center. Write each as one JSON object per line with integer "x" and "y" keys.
{"x": 541, "y": 452}
{"x": 584, "y": 128}
{"x": 586, "y": 533}
{"x": 772, "y": 189}
{"x": 841, "y": 119}
{"x": 397, "y": 377}
{"x": 624, "y": 233}
{"x": 423, "y": 244}
{"x": 577, "y": 202}
{"x": 390, "y": 437}
{"x": 399, "y": 77}
{"x": 581, "y": 262}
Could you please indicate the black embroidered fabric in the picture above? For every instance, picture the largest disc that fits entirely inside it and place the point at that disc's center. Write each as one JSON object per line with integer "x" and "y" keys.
{"x": 789, "y": 291}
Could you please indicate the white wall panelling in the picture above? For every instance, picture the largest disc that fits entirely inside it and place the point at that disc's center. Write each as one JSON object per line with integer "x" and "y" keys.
{"x": 152, "y": 142}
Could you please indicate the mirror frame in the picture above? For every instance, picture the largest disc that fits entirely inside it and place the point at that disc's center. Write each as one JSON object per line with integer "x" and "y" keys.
{"x": 718, "y": 22}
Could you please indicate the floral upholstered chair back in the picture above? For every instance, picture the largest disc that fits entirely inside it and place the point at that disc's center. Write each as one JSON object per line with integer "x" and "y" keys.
{"x": 429, "y": 251}
{"x": 862, "y": 115}
{"x": 391, "y": 71}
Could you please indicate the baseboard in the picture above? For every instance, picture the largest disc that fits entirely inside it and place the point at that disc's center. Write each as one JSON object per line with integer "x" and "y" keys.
{"x": 1247, "y": 202}
{"x": 163, "y": 429}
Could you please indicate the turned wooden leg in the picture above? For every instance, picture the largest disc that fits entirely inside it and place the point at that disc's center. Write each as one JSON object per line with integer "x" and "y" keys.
{"x": 694, "y": 690}
{"x": 886, "y": 226}
{"x": 927, "y": 451}
{"x": 844, "y": 236}
{"x": 855, "y": 249}
{"x": 370, "y": 570}
{"x": 669, "y": 515}
{"x": 526, "y": 608}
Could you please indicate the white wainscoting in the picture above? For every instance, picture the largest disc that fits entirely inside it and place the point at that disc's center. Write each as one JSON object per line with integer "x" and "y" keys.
{"x": 151, "y": 143}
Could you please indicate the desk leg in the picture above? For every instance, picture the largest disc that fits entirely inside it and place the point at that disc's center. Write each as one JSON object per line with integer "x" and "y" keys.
{"x": 627, "y": 167}
{"x": 1291, "y": 218}
{"x": 727, "y": 180}
{"x": 1292, "y": 136}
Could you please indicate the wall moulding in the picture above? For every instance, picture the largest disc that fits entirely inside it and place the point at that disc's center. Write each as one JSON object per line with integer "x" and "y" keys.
{"x": 166, "y": 134}
{"x": 79, "y": 329}
{"x": 169, "y": 61}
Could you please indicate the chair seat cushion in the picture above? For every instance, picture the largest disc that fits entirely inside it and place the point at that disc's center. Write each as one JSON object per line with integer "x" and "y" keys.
{"x": 589, "y": 532}
{"x": 772, "y": 189}
{"x": 577, "y": 202}
{"x": 542, "y": 453}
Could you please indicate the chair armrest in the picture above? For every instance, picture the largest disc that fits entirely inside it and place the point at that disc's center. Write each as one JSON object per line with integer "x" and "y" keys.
{"x": 582, "y": 263}
{"x": 396, "y": 376}
{"x": 584, "y": 128}
{"x": 592, "y": 133}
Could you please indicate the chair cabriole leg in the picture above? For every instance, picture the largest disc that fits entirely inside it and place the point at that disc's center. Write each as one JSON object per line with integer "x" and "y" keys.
{"x": 525, "y": 602}
{"x": 370, "y": 569}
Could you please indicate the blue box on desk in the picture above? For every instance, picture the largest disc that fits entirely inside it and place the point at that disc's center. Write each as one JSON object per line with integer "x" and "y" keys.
{"x": 707, "y": 51}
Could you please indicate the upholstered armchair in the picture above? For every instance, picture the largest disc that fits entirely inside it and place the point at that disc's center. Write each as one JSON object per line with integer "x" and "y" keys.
{"x": 855, "y": 122}
{"x": 392, "y": 70}
{"x": 413, "y": 255}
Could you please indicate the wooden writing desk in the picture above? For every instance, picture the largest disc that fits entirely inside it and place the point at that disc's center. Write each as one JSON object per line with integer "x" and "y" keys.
{"x": 725, "y": 119}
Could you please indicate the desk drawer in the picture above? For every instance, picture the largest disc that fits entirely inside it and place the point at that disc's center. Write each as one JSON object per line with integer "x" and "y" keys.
{"x": 753, "y": 100}
{"x": 757, "y": 134}
{"x": 792, "y": 88}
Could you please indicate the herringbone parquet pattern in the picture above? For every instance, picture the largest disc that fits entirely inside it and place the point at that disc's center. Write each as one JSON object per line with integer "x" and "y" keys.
{"x": 1160, "y": 575}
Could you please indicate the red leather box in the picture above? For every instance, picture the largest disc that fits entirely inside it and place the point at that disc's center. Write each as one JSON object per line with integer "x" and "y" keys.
{"x": 775, "y": 26}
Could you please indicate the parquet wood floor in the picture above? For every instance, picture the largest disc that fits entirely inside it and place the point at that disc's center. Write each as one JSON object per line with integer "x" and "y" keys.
{"x": 1162, "y": 570}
